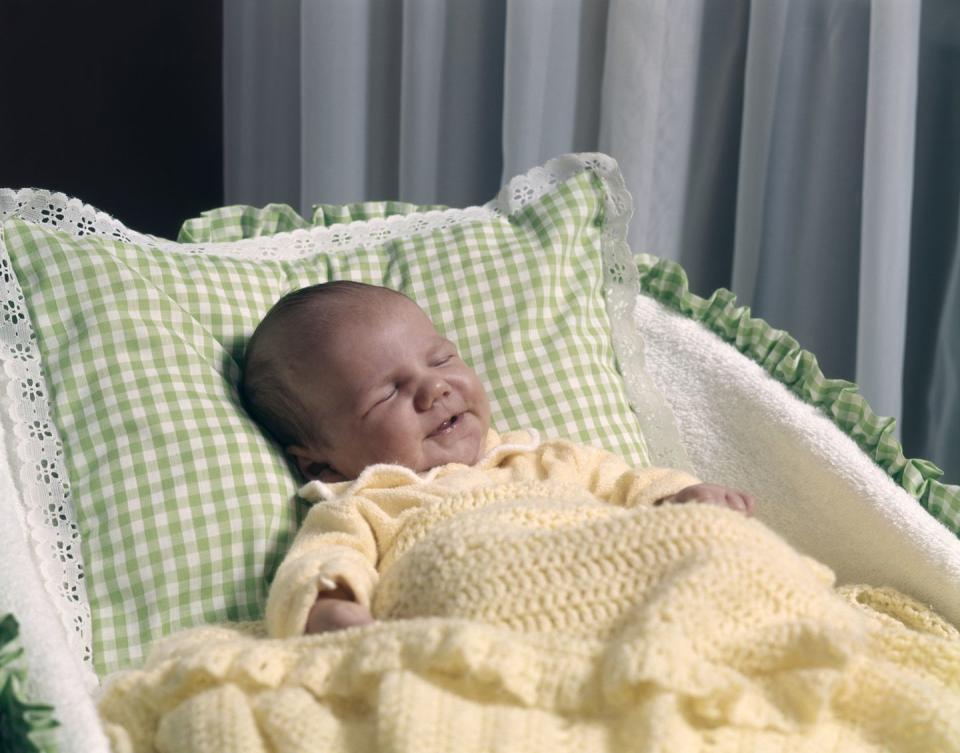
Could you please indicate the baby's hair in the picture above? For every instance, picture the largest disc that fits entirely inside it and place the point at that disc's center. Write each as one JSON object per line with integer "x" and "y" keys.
{"x": 267, "y": 385}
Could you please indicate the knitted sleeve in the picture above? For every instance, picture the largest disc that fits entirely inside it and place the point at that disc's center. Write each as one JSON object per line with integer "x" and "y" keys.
{"x": 607, "y": 476}
{"x": 336, "y": 544}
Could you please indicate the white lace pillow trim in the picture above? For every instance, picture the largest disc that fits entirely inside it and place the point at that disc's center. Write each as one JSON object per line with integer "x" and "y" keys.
{"x": 38, "y": 463}
{"x": 43, "y": 483}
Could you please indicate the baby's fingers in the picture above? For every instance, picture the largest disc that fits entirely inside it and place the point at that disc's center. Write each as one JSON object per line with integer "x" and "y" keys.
{"x": 336, "y": 614}
{"x": 741, "y": 502}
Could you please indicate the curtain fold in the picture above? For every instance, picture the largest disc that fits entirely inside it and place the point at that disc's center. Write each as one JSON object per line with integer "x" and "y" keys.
{"x": 890, "y": 134}
{"x": 803, "y": 153}
{"x": 812, "y": 176}
{"x": 338, "y": 75}
{"x": 931, "y": 419}
{"x": 261, "y": 91}
{"x": 554, "y": 56}
{"x": 452, "y": 100}
{"x": 943, "y": 401}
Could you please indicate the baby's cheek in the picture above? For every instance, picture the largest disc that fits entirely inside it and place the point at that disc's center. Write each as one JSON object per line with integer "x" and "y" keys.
{"x": 398, "y": 445}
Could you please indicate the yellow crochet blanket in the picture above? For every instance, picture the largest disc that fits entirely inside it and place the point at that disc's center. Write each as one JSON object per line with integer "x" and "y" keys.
{"x": 711, "y": 635}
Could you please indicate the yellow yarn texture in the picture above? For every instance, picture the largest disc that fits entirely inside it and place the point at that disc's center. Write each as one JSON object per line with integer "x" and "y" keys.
{"x": 673, "y": 628}
{"x": 448, "y": 543}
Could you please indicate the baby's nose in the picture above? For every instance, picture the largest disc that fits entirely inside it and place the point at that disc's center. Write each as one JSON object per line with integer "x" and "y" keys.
{"x": 430, "y": 391}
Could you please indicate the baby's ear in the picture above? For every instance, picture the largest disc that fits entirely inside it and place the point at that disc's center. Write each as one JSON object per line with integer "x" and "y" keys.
{"x": 312, "y": 466}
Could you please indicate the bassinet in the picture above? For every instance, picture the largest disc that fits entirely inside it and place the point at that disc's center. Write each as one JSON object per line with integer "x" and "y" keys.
{"x": 715, "y": 390}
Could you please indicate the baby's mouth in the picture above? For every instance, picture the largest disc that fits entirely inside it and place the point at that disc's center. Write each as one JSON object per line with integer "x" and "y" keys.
{"x": 447, "y": 426}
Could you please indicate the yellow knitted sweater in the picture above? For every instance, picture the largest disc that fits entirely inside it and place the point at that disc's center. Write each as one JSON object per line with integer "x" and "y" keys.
{"x": 402, "y": 540}
{"x": 553, "y": 610}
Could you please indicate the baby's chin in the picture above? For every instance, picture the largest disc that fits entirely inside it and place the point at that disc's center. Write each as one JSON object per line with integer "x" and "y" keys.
{"x": 437, "y": 459}
{"x": 467, "y": 449}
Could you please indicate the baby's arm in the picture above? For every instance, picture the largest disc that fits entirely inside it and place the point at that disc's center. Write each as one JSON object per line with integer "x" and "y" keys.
{"x": 611, "y": 479}
{"x": 334, "y": 547}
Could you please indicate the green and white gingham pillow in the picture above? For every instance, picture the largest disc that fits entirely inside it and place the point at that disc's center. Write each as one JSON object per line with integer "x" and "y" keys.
{"x": 184, "y": 508}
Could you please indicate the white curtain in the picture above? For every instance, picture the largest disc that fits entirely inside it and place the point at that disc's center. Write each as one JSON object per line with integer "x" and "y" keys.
{"x": 804, "y": 153}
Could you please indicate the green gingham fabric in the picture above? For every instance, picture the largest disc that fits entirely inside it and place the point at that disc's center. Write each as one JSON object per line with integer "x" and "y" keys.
{"x": 233, "y": 223}
{"x": 333, "y": 214}
{"x": 783, "y": 358}
{"x": 236, "y": 223}
{"x": 184, "y": 507}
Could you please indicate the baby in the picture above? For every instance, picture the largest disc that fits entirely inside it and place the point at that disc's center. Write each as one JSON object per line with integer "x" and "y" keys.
{"x": 382, "y": 416}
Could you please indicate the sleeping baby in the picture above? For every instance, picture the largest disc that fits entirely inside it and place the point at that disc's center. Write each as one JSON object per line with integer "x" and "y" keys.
{"x": 391, "y": 428}
{"x": 518, "y": 594}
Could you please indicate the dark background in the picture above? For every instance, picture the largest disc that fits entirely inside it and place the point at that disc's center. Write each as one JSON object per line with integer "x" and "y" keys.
{"x": 117, "y": 103}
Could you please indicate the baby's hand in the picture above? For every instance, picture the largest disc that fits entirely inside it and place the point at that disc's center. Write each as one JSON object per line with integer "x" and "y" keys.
{"x": 335, "y": 609}
{"x": 713, "y": 494}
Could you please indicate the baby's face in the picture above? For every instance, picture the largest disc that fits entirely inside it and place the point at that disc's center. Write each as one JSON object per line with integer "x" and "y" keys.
{"x": 388, "y": 388}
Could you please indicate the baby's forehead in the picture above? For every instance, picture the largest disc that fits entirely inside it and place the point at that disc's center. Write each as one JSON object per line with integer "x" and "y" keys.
{"x": 353, "y": 321}
{"x": 324, "y": 315}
